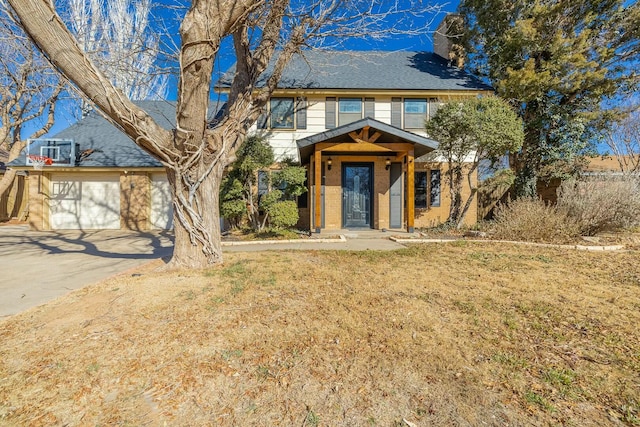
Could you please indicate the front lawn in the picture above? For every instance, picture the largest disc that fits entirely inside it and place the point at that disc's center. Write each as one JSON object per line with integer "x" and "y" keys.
{"x": 445, "y": 334}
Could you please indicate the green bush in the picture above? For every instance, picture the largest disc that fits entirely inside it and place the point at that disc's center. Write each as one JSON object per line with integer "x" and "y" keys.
{"x": 283, "y": 213}
{"x": 233, "y": 211}
{"x": 532, "y": 220}
{"x": 601, "y": 203}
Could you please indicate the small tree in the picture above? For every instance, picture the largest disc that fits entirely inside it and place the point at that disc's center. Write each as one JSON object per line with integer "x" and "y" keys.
{"x": 469, "y": 131}
{"x": 239, "y": 191}
{"x": 281, "y": 209}
{"x": 239, "y": 188}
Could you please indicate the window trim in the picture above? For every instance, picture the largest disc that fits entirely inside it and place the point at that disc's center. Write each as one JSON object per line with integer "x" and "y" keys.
{"x": 424, "y": 205}
{"x": 422, "y": 116}
{"x": 293, "y": 113}
{"x": 340, "y": 114}
{"x": 429, "y": 200}
{"x": 399, "y": 112}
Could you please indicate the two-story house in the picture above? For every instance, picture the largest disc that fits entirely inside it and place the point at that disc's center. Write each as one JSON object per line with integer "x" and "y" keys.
{"x": 356, "y": 121}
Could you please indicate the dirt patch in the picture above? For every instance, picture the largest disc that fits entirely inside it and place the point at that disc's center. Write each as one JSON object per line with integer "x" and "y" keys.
{"x": 448, "y": 334}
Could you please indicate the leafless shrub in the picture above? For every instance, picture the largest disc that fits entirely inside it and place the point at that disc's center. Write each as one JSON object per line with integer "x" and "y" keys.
{"x": 533, "y": 220}
{"x": 601, "y": 203}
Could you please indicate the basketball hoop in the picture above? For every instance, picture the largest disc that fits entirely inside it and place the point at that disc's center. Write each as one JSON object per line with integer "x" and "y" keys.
{"x": 38, "y": 162}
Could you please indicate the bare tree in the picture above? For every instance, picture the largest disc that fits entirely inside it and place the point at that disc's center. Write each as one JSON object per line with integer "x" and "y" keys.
{"x": 29, "y": 91}
{"x": 117, "y": 35}
{"x": 624, "y": 142}
{"x": 196, "y": 153}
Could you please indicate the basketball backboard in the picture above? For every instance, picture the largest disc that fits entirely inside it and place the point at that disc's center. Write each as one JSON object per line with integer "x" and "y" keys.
{"x": 62, "y": 152}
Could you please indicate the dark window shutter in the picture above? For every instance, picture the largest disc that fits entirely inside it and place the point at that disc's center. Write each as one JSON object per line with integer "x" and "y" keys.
{"x": 330, "y": 113}
{"x": 434, "y": 104}
{"x": 396, "y": 112}
{"x": 370, "y": 107}
{"x": 301, "y": 113}
{"x": 434, "y": 188}
{"x": 262, "y": 121}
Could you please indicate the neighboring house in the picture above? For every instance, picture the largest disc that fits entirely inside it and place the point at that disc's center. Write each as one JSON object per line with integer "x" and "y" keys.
{"x": 614, "y": 165}
{"x": 354, "y": 119}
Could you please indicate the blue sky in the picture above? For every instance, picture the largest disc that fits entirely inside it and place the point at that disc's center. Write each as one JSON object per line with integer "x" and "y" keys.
{"x": 421, "y": 42}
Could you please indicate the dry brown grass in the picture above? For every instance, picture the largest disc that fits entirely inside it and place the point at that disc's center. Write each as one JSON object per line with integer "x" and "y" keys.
{"x": 451, "y": 334}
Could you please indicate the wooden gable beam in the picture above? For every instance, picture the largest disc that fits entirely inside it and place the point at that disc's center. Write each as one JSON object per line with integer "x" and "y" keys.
{"x": 356, "y": 136}
{"x": 363, "y": 146}
{"x": 373, "y": 138}
{"x": 363, "y": 135}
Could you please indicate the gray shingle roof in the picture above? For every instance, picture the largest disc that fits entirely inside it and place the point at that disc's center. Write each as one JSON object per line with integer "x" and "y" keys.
{"x": 362, "y": 70}
{"x": 390, "y": 134}
{"x": 112, "y": 147}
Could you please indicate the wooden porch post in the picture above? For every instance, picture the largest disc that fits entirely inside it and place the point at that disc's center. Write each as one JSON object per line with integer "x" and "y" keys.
{"x": 411, "y": 208}
{"x": 317, "y": 164}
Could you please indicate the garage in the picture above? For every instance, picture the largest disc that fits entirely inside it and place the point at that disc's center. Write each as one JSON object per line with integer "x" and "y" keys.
{"x": 161, "y": 205}
{"x": 84, "y": 201}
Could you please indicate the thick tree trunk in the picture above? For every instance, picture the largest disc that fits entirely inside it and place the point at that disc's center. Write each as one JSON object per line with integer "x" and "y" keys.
{"x": 455, "y": 193}
{"x": 472, "y": 195}
{"x": 196, "y": 207}
{"x": 526, "y": 163}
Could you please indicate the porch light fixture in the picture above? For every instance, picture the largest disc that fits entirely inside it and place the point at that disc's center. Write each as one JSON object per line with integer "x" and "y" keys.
{"x": 329, "y": 163}
{"x": 387, "y": 163}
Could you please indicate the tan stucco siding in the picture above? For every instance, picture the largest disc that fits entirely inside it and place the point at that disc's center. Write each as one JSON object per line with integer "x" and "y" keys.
{"x": 38, "y": 184}
{"x": 135, "y": 200}
{"x": 436, "y": 215}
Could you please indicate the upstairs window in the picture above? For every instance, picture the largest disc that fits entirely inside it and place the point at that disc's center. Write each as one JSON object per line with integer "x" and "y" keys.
{"x": 282, "y": 113}
{"x": 411, "y": 113}
{"x": 415, "y": 113}
{"x": 349, "y": 110}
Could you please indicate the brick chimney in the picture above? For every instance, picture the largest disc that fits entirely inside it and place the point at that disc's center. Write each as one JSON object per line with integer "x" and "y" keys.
{"x": 446, "y": 40}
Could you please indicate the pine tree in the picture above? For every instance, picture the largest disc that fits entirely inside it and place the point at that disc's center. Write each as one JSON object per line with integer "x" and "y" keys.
{"x": 563, "y": 64}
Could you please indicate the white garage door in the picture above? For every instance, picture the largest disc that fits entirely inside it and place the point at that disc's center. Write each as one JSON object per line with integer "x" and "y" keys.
{"x": 87, "y": 202}
{"x": 161, "y": 205}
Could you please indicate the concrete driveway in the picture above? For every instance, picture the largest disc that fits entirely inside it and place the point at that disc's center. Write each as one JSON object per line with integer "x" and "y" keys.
{"x": 36, "y": 267}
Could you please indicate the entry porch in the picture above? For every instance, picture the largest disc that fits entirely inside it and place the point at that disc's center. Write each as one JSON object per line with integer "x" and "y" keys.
{"x": 361, "y": 176}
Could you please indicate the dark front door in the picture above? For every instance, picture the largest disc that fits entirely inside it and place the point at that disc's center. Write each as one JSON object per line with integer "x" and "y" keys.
{"x": 357, "y": 189}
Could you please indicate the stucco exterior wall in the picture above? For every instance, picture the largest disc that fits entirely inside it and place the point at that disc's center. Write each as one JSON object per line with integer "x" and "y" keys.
{"x": 424, "y": 218}
{"x": 38, "y": 193}
{"x": 436, "y": 215}
{"x": 135, "y": 200}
